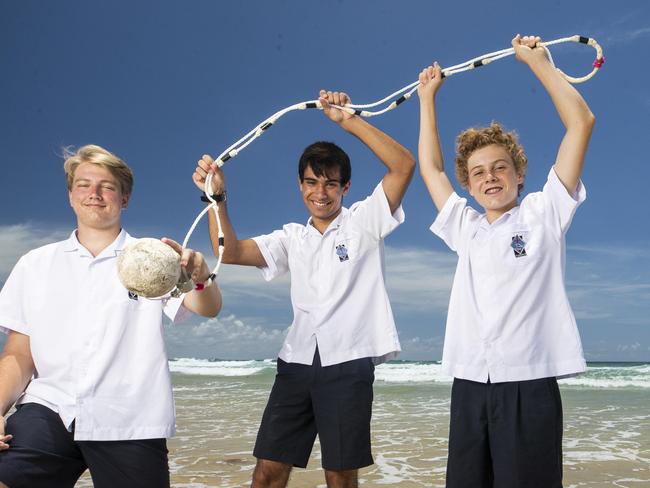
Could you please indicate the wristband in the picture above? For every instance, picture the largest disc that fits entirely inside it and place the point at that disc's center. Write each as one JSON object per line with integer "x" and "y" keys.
{"x": 217, "y": 197}
{"x": 206, "y": 283}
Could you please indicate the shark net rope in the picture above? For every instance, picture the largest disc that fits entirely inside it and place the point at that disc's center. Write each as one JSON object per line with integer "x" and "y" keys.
{"x": 391, "y": 101}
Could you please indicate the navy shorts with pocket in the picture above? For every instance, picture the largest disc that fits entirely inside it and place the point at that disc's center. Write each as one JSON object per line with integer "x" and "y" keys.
{"x": 333, "y": 402}
{"x": 44, "y": 454}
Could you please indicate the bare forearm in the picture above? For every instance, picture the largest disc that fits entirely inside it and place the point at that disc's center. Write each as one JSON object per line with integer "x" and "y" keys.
{"x": 430, "y": 156}
{"x": 391, "y": 153}
{"x": 206, "y": 302}
{"x": 16, "y": 371}
{"x": 571, "y": 107}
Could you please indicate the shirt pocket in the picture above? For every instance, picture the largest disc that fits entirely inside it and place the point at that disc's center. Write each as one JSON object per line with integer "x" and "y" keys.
{"x": 347, "y": 250}
{"x": 518, "y": 246}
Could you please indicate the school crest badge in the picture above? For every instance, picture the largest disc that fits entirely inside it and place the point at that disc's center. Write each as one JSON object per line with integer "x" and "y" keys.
{"x": 342, "y": 252}
{"x": 518, "y": 245}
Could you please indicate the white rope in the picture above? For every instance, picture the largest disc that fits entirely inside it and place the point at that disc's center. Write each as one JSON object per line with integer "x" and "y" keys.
{"x": 403, "y": 94}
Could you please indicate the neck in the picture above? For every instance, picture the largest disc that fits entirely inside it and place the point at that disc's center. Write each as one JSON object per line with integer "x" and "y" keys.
{"x": 96, "y": 240}
{"x": 321, "y": 225}
{"x": 492, "y": 215}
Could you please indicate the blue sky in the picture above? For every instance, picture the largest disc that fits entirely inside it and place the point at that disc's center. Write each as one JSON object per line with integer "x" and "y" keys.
{"x": 160, "y": 83}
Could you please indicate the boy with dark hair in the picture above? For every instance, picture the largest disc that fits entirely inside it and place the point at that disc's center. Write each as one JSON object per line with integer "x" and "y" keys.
{"x": 343, "y": 324}
{"x": 510, "y": 329}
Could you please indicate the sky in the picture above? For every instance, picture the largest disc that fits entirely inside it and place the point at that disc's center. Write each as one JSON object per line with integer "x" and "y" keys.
{"x": 162, "y": 82}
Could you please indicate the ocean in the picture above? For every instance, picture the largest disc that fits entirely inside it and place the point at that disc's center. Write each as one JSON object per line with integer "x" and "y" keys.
{"x": 219, "y": 405}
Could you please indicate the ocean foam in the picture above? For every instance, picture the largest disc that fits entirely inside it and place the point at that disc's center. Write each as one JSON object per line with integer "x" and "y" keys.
{"x": 598, "y": 375}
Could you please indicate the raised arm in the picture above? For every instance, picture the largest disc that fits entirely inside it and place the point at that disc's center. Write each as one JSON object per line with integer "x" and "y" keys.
{"x": 571, "y": 107}
{"x": 244, "y": 252}
{"x": 393, "y": 155}
{"x": 429, "y": 151}
{"x": 16, "y": 370}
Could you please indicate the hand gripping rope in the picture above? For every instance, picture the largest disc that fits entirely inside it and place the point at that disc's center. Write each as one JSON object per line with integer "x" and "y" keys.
{"x": 404, "y": 94}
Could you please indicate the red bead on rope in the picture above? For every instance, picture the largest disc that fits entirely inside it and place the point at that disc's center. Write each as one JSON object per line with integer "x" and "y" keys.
{"x": 599, "y": 62}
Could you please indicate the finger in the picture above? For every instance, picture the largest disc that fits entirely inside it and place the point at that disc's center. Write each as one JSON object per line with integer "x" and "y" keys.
{"x": 345, "y": 98}
{"x": 186, "y": 258}
{"x": 173, "y": 244}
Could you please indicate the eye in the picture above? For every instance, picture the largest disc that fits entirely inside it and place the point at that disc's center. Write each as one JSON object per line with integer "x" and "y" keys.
{"x": 108, "y": 187}
{"x": 478, "y": 173}
{"x": 332, "y": 185}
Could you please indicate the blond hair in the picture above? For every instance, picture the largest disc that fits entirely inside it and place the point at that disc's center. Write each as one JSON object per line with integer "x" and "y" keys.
{"x": 98, "y": 155}
{"x": 475, "y": 138}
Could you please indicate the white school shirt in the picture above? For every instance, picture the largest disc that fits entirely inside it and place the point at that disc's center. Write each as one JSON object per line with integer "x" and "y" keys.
{"x": 338, "y": 291}
{"x": 99, "y": 355}
{"x": 509, "y": 316}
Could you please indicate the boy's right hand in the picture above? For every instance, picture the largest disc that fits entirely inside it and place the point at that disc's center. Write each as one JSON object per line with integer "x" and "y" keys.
{"x": 4, "y": 439}
{"x": 430, "y": 82}
{"x": 207, "y": 165}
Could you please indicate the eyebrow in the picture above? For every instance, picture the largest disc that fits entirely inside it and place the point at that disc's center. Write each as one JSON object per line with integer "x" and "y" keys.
{"x": 100, "y": 181}
{"x": 329, "y": 180}
{"x": 489, "y": 163}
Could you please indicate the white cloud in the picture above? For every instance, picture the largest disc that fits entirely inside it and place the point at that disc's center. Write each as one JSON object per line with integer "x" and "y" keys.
{"x": 419, "y": 279}
{"x": 225, "y": 337}
{"x": 626, "y": 36}
{"x": 16, "y": 240}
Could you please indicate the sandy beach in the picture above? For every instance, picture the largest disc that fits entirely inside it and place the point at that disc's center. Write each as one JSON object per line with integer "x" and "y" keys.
{"x": 606, "y": 437}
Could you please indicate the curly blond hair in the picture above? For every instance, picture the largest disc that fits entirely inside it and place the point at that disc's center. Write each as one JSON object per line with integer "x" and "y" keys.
{"x": 98, "y": 155}
{"x": 475, "y": 138}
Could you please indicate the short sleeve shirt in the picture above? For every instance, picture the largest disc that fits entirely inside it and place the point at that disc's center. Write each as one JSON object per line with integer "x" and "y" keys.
{"x": 338, "y": 289}
{"x": 509, "y": 315}
{"x": 98, "y": 351}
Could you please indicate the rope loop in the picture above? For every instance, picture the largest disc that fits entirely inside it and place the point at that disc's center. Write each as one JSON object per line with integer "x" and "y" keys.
{"x": 393, "y": 101}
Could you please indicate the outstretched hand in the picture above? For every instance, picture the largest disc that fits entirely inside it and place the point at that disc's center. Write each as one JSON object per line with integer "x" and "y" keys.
{"x": 207, "y": 165}
{"x": 328, "y": 98}
{"x": 430, "y": 81}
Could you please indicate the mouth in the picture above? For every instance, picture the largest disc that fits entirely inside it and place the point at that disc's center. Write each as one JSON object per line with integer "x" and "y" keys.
{"x": 320, "y": 204}
{"x": 494, "y": 190}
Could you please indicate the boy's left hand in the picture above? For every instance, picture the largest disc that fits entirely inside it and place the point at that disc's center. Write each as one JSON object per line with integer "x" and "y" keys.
{"x": 527, "y": 49}
{"x": 193, "y": 261}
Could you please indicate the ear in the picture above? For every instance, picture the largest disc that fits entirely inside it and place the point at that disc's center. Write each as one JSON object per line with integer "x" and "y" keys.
{"x": 299, "y": 183}
{"x": 346, "y": 188}
{"x": 520, "y": 179}
{"x": 125, "y": 201}
{"x": 70, "y": 197}
{"x": 469, "y": 188}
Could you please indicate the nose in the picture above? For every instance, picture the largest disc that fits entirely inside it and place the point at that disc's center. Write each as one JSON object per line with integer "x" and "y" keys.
{"x": 95, "y": 191}
{"x": 489, "y": 176}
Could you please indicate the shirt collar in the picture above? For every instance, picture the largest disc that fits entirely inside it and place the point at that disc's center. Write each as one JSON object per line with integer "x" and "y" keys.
{"x": 113, "y": 249}
{"x": 334, "y": 224}
{"x": 507, "y": 216}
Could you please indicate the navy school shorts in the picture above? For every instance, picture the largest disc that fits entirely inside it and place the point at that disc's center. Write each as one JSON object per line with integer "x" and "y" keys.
{"x": 334, "y": 402}
{"x": 506, "y": 435}
{"x": 43, "y": 454}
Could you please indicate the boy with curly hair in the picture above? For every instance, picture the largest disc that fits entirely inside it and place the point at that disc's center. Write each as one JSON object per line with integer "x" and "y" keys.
{"x": 510, "y": 329}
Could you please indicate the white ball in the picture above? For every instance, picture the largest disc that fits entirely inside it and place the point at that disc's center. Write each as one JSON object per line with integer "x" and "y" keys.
{"x": 149, "y": 267}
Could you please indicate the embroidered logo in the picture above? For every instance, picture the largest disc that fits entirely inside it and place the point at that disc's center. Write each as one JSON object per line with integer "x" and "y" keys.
{"x": 133, "y": 296}
{"x": 342, "y": 252}
{"x": 518, "y": 245}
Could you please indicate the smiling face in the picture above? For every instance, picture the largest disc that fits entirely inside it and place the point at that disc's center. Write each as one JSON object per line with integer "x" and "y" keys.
{"x": 323, "y": 196}
{"x": 493, "y": 180}
{"x": 96, "y": 198}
